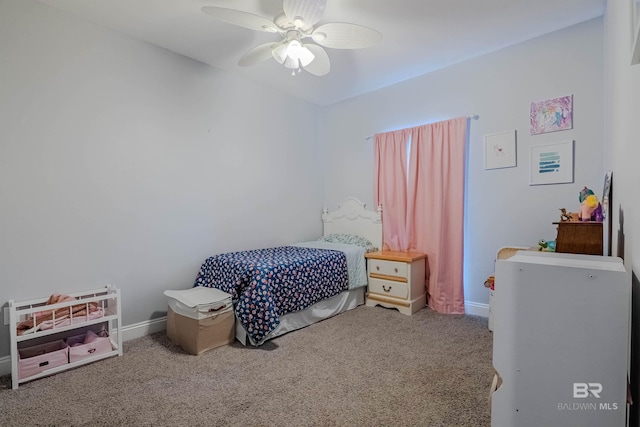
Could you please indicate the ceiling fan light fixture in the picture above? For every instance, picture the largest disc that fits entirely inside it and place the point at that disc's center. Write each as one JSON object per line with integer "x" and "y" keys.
{"x": 294, "y": 49}
{"x": 293, "y": 63}
{"x": 297, "y": 52}
{"x": 306, "y": 56}
{"x": 280, "y": 53}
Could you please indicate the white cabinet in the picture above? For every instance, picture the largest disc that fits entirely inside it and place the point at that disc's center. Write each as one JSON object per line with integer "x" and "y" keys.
{"x": 561, "y": 344}
{"x": 42, "y": 332}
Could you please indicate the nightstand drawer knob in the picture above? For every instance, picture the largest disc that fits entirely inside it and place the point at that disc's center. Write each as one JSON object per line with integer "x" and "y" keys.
{"x": 378, "y": 267}
{"x": 384, "y": 288}
{"x": 395, "y": 269}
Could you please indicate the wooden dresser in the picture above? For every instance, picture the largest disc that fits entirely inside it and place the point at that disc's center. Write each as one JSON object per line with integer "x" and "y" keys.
{"x": 397, "y": 280}
{"x": 579, "y": 237}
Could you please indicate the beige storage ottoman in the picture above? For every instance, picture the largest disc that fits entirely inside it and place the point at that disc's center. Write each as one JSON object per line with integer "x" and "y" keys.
{"x": 200, "y": 319}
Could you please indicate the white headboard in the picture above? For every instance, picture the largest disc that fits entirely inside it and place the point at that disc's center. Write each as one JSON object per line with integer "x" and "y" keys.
{"x": 352, "y": 218}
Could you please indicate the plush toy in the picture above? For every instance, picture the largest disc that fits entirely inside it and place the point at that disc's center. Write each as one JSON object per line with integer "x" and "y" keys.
{"x": 590, "y": 208}
{"x": 568, "y": 216}
{"x": 547, "y": 245}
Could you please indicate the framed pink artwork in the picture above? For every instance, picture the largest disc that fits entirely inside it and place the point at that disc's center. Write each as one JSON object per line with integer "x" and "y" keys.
{"x": 551, "y": 115}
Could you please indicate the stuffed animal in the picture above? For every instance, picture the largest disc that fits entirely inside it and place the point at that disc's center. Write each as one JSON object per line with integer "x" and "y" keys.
{"x": 568, "y": 216}
{"x": 547, "y": 245}
{"x": 590, "y": 208}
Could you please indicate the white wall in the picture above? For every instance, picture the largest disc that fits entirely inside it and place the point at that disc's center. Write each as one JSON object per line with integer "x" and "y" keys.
{"x": 622, "y": 151}
{"x": 502, "y": 208}
{"x": 124, "y": 163}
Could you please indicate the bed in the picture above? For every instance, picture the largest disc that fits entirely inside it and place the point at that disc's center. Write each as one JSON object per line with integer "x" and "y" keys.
{"x": 281, "y": 289}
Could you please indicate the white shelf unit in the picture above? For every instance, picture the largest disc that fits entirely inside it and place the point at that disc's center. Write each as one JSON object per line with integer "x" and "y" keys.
{"x": 108, "y": 298}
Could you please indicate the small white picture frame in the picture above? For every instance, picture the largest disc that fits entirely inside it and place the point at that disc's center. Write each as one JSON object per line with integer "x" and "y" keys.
{"x": 552, "y": 163}
{"x": 500, "y": 150}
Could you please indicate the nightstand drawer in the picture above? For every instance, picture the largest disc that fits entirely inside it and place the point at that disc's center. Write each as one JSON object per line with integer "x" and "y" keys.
{"x": 388, "y": 288}
{"x": 388, "y": 268}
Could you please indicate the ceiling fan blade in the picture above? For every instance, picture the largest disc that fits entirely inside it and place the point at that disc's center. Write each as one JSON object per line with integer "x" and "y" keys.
{"x": 307, "y": 11}
{"x": 320, "y": 64}
{"x": 242, "y": 19}
{"x": 257, "y": 54}
{"x": 341, "y": 35}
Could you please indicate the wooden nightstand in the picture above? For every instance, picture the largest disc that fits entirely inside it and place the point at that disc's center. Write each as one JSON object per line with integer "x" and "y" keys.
{"x": 396, "y": 280}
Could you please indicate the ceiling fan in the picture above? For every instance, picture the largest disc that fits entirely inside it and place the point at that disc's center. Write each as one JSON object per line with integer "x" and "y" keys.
{"x": 301, "y": 44}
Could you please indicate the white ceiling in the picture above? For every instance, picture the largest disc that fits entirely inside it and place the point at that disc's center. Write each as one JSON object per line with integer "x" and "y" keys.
{"x": 419, "y": 36}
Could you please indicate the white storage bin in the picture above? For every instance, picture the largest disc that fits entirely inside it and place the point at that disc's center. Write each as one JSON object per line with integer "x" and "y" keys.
{"x": 200, "y": 319}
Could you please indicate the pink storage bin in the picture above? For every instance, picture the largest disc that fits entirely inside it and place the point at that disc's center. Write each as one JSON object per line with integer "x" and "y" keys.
{"x": 88, "y": 345}
{"x": 38, "y": 358}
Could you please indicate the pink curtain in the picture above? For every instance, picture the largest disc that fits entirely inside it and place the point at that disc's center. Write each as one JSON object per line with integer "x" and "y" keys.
{"x": 390, "y": 186}
{"x": 424, "y": 210}
{"x": 435, "y": 208}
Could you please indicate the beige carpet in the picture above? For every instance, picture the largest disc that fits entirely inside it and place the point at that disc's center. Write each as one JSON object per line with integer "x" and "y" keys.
{"x": 366, "y": 367}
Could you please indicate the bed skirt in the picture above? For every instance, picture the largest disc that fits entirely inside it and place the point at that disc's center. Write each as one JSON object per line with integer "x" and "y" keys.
{"x": 337, "y": 304}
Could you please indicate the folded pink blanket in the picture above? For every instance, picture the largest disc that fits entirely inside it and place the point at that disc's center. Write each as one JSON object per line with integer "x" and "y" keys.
{"x": 48, "y": 319}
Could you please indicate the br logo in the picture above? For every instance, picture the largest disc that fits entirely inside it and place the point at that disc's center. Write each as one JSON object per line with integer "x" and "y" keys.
{"x": 583, "y": 390}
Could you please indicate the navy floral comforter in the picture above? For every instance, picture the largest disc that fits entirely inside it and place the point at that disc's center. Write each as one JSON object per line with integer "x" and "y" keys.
{"x": 268, "y": 283}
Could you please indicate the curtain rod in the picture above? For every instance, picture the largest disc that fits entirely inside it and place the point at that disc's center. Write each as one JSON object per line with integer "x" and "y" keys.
{"x": 471, "y": 117}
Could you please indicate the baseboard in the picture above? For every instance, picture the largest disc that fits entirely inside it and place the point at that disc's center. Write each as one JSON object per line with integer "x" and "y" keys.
{"x": 476, "y": 309}
{"x": 139, "y": 330}
{"x": 130, "y": 332}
